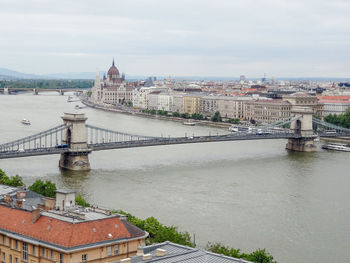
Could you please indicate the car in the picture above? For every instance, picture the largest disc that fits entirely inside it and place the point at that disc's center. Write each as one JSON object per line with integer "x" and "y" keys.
{"x": 62, "y": 146}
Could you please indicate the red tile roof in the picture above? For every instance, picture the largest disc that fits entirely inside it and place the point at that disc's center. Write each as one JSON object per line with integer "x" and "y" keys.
{"x": 66, "y": 234}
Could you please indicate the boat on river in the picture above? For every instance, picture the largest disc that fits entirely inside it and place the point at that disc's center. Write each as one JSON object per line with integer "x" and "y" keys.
{"x": 25, "y": 121}
{"x": 189, "y": 123}
{"x": 336, "y": 147}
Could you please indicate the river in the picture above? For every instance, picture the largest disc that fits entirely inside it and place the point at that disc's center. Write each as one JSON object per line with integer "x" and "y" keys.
{"x": 245, "y": 194}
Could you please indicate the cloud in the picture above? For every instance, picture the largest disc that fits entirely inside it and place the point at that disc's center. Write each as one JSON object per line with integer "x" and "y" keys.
{"x": 178, "y": 37}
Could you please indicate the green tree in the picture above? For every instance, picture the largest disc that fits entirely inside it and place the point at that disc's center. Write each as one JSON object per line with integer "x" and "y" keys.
{"x": 79, "y": 200}
{"x": 157, "y": 231}
{"x": 216, "y": 117}
{"x": 10, "y": 181}
{"x": 185, "y": 115}
{"x": 258, "y": 256}
{"x": 46, "y": 188}
{"x": 176, "y": 114}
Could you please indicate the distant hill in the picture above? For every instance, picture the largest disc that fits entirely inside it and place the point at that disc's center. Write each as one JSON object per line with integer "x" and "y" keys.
{"x": 18, "y": 75}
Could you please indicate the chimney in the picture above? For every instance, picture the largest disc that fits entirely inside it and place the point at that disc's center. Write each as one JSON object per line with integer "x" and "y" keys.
{"x": 19, "y": 203}
{"x": 35, "y": 215}
{"x": 125, "y": 260}
{"x": 147, "y": 257}
{"x": 21, "y": 194}
{"x": 49, "y": 203}
{"x": 7, "y": 199}
{"x": 160, "y": 252}
{"x": 139, "y": 251}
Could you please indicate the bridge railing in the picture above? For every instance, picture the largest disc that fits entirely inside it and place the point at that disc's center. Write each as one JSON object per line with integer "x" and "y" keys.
{"x": 100, "y": 135}
{"x": 50, "y": 138}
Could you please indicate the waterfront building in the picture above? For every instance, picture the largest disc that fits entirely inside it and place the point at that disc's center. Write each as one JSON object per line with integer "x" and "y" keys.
{"x": 178, "y": 103}
{"x": 192, "y": 103}
{"x": 208, "y": 105}
{"x": 60, "y": 231}
{"x": 232, "y": 107}
{"x": 113, "y": 89}
{"x": 305, "y": 100}
{"x": 334, "y": 104}
{"x": 165, "y": 101}
{"x": 267, "y": 111}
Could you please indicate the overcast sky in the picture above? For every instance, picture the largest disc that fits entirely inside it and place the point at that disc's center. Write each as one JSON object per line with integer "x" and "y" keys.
{"x": 282, "y": 38}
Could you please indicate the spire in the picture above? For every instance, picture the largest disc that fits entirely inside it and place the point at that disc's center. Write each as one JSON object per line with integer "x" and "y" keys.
{"x": 113, "y": 63}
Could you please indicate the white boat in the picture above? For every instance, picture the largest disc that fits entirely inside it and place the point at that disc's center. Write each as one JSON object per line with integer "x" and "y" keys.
{"x": 25, "y": 121}
{"x": 336, "y": 147}
{"x": 72, "y": 99}
{"x": 189, "y": 123}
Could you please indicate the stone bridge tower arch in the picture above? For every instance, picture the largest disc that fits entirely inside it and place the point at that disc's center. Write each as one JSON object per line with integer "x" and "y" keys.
{"x": 75, "y": 137}
{"x": 302, "y": 128}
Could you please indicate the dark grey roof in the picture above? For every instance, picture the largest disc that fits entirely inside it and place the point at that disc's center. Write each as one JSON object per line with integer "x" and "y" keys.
{"x": 178, "y": 253}
{"x": 31, "y": 200}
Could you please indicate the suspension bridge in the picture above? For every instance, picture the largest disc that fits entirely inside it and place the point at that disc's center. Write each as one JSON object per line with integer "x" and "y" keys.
{"x": 74, "y": 139}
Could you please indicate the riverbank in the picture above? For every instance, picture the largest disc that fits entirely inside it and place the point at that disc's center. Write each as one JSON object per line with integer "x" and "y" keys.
{"x": 222, "y": 125}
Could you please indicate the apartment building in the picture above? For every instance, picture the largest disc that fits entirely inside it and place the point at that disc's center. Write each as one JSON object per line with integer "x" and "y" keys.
{"x": 192, "y": 103}
{"x": 267, "y": 111}
{"x": 60, "y": 231}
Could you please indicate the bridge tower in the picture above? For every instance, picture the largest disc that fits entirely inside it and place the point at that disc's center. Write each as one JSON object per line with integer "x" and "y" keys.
{"x": 74, "y": 136}
{"x": 302, "y": 127}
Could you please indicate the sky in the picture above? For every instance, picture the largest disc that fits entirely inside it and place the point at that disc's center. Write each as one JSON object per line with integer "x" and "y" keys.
{"x": 228, "y": 38}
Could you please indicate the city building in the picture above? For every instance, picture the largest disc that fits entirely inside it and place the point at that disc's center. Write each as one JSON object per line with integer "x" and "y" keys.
{"x": 178, "y": 103}
{"x": 191, "y": 103}
{"x": 334, "y": 104}
{"x": 113, "y": 89}
{"x": 305, "y": 100}
{"x": 267, "y": 111}
{"x": 60, "y": 231}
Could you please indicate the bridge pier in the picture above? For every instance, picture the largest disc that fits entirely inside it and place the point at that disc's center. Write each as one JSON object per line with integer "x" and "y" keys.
{"x": 61, "y": 92}
{"x": 36, "y": 92}
{"x": 6, "y": 91}
{"x": 76, "y": 159}
{"x": 302, "y": 127}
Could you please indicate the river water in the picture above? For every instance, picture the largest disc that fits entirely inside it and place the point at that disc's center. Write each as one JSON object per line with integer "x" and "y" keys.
{"x": 245, "y": 194}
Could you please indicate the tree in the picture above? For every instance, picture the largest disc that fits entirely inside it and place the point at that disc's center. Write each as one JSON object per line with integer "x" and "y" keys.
{"x": 258, "y": 256}
{"x": 10, "y": 181}
{"x": 216, "y": 117}
{"x": 176, "y": 114}
{"x": 81, "y": 201}
{"x": 46, "y": 188}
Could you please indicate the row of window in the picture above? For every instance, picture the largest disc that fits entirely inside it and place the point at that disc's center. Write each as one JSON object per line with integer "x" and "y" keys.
{"x": 14, "y": 244}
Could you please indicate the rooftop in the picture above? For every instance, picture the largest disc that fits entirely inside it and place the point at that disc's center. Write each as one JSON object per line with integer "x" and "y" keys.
{"x": 51, "y": 230}
{"x": 178, "y": 253}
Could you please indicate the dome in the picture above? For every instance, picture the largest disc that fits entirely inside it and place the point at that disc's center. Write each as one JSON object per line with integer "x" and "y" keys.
{"x": 113, "y": 71}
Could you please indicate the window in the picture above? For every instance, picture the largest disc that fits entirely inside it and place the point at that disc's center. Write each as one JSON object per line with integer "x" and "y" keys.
{"x": 43, "y": 252}
{"x": 25, "y": 252}
{"x": 16, "y": 244}
{"x": 10, "y": 242}
{"x": 3, "y": 257}
{"x": 116, "y": 250}
{"x": 84, "y": 257}
{"x": 3, "y": 239}
{"x": 33, "y": 250}
{"x": 61, "y": 258}
{"x": 51, "y": 254}
{"x": 109, "y": 251}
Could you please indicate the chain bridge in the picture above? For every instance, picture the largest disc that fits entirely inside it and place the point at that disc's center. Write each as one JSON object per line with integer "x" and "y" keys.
{"x": 75, "y": 139}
